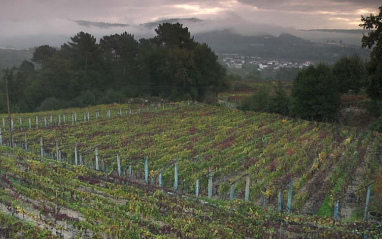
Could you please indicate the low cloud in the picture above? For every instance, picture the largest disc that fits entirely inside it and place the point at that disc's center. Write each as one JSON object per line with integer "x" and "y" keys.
{"x": 23, "y": 20}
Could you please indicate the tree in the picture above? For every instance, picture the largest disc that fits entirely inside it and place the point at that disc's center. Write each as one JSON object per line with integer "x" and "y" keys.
{"x": 210, "y": 76}
{"x": 350, "y": 73}
{"x": 24, "y": 76}
{"x": 278, "y": 103}
{"x": 315, "y": 94}
{"x": 374, "y": 67}
{"x": 173, "y": 35}
{"x": 121, "y": 52}
{"x": 42, "y": 54}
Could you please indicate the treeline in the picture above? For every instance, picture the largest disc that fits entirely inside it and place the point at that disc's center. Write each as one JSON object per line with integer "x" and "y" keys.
{"x": 316, "y": 91}
{"x": 83, "y": 72}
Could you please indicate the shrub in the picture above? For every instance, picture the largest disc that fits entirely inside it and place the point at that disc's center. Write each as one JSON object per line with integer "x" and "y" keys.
{"x": 378, "y": 190}
{"x": 53, "y": 103}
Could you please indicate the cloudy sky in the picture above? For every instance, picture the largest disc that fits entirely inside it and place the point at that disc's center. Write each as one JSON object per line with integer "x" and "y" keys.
{"x": 47, "y": 17}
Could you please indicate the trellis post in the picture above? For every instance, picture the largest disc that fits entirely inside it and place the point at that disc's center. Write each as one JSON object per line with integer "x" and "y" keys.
{"x": 59, "y": 119}
{"x": 36, "y": 121}
{"x": 26, "y": 140}
{"x": 88, "y": 116}
{"x": 210, "y": 184}
{"x": 75, "y": 155}
{"x": 45, "y": 122}
{"x": 160, "y": 179}
{"x": 146, "y": 170}
{"x": 367, "y": 202}
{"x": 248, "y": 182}
{"x": 176, "y": 176}
{"x": 57, "y": 156}
{"x": 51, "y": 119}
{"x": 197, "y": 188}
{"x": 281, "y": 199}
{"x": 1, "y": 137}
{"x": 265, "y": 201}
{"x": 119, "y": 164}
{"x": 232, "y": 192}
{"x": 96, "y": 157}
{"x": 290, "y": 196}
{"x": 57, "y": 153}
{"x": 3, "y": 122}
{"x": 30, "y": 123}
{"x": 131, "y": 171}
{"x": 64, "y": 117}
{"x": 42, "y": 146}
{"x": 12, "y": 125}
{"x": 336, "y": 210}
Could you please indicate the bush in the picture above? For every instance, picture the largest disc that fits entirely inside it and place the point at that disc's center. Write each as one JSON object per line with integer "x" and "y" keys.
{"x": 113, "y": 96}
{"x": 375, "y": 108}
{"x": 315, "y": 94}
{"x": 53, "y": 103}
{"x": 377, "y": 125}
{"x": 378, "y": 190}
{"x": 86, "y": 98}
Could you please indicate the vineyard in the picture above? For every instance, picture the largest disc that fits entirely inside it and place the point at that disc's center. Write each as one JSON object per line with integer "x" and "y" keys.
{"x": 184, "y": 170}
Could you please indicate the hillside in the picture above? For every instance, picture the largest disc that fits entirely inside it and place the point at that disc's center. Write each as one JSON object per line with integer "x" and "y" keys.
{"x": 285, "y": 46}
{"x": 14, "y": 57}
{"x": 201, "y": 143}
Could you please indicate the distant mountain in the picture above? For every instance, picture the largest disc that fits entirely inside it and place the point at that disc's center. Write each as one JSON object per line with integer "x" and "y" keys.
{"x": 14, "y": 57}
{"x": 348, "y": 31}
{"x": 98, "y": 24}
{"x": 286, "y": 46}
{"x": 318, "y": 45}
{"x": 183, "y": 21}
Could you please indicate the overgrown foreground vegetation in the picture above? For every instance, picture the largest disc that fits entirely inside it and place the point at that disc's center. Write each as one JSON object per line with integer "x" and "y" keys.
{"x": 48, "y": 197}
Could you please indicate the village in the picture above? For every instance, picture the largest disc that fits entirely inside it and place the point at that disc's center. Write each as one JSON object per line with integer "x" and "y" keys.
{"x": 237, "y": 61}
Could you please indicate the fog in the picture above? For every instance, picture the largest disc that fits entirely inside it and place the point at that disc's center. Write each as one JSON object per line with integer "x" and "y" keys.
{"x": 31, "y": 23}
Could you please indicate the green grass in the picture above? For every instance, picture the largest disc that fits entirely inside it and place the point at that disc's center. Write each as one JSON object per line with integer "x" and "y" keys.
{"x": 326, "y": 208}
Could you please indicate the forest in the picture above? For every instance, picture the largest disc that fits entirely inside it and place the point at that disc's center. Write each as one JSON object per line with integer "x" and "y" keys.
{"x": 83, "y": 72}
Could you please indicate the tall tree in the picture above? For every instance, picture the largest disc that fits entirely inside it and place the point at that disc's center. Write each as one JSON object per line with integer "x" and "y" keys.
{"x": 42, "y": 54}
{"x": 86, "y": 60}
{"x": 350, "y": 72}
{"x": 211, "y": 75}
{"x": 374, "y": 40}
{"x": 173, "y": 35}
{"x": 315, "y": 94}
{"x": 121, "y": 51}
